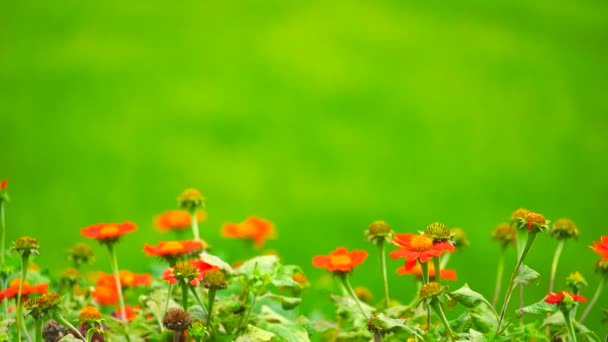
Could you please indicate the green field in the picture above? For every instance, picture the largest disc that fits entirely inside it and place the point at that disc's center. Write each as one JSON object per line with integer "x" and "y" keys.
{"x": 321, "y": 116}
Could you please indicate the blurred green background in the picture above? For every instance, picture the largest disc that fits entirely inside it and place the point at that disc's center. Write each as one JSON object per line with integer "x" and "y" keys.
{"x": 321, "y": 116}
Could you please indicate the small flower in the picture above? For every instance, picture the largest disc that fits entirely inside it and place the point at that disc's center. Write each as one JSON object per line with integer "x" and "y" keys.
{"x": 519, "y": 214}
{"x": 446, "y": 274}
{"x": 3, "y": 185}
{"x": 560, "y": 297}
{"x": 190, "y": 199}
{"x": 564, "y": 228}
{"x": 379, "y": 231}
{"x": 364, "y": 294}
{"x": 534, "y": 222}
{"x": 177, "y": 319}
{"x": 185, "y": 272}
{"x": 215, "y": 279}
{"x": 254, "y": 228}
{"x": 438, "y": 232}
{"x": 430, "y": 290}
{"x": 175, "y": 250}
{"x": 89, "y": 314}
{"x": 601, "y": 248}
{"x": 105, "y": 295}
{"x": 26, "y": 245}
{"x": 81, "y": 253}
{"x": 13, "y": 288}
{"x": 459, "y": 237}
{"x": 576, "y": 282}
{"x": 177, "y": 220}
{"x": 340, "y": 260}
{"x": 417, "y": 247}
{"x": 108, "y": 233}
{"x": 505, "y": 234}
{"x": 53, "y": 331}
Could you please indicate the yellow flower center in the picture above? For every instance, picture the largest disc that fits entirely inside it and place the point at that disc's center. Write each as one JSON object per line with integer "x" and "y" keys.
{"x": 171, "y": 247}
{"x": 421, "y": 243}
{"x": 109, "y": 230}
{"x": 340, "y": 259}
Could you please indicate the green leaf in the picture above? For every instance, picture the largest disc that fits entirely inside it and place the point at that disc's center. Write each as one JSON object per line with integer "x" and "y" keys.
{"x": 348, "y": 306}
{"x": 197, "y": 313}
{"x": 483, "y": 320}
{"x": 262, "y": 265}
{"x": 392, "y": 325}
{"x": 287, "y": 303}
{"x": 476, "y": 336}
{"x": 254, "y": 334}
{"x": 217, "y": 262}
{"x": 283, "y": 276}
{"x": 289, "y": 332}
{"x": 537, "y": 308}
{"x": 526, "y": 276}
{"x": 470, "y": 298}
{"x": 70, "y": 338}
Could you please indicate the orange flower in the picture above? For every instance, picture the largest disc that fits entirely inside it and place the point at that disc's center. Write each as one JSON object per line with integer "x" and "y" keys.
{"x": 418, "y": 247}
{"x": 127, "y": 279}
{"x": 109, "y": 232}
{"x": 174, "y": 248}
{"x": 13, "y": 288}
{"x": 130, "y": 312}
{"x": 417, "y": 271}
{"x": 253, "y": 227}
{"x": 340, "y": 260}
{"x": 177, "y": 220}
{"x": 3, "y": 185}
{"x": 105, "y": 295}
{"x": 601, "y": 248}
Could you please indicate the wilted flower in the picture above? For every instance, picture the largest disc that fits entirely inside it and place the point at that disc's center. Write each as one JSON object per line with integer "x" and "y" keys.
{"x": 519, "y": 214}
{"x": 340, "y": 260}
{"x": 564, "y": 228}
{"x": 53, "y": 331}
{"x": 40, "y": 306}
{"x": 257, "y": 229}
{"x": 177, "y": 319}
{"x": 177, "y": 220}
{"x": 26, "y": 245}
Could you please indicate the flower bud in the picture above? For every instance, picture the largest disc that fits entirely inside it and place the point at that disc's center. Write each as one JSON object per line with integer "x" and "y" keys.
{"x": 26, "y": 245}
{"x": 431, "y": 290}
{"x": 379, "y": 231}
{"x": 564, "y": 229}
{"x": 576, "y": 282}
{"x": 459, "y": 237}
{"x": 191, "y": 199}
{"x": 214, "y": 279}
{"x": 438, "y": 232}
{"x": 505, "y": 234}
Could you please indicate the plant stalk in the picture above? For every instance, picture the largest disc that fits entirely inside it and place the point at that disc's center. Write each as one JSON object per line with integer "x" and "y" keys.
{"x": 437, "y": 267}
{"x": 529, "y": 241}
{"x": 425, "y": 279}
{"x": 185, "y": 296}
{"x": 596, "y": 296}
{"x": 194, "y": 225}
{"x": 2, "y": 233}
{"x": 499, "y": 274}
{"x": 38, "y": 329}
{"x": 57, "y": 316}
{"x": 558, "y": 252}
{"x": 439, "y": 311}
{"x": 384, "y": 273}
{"x": 569, "y": 325}
{"x": 210, "y": 311}
{"x": 121, "y": 300}
{"x": 24, "y": 265}
{"x": 352, "y": 293}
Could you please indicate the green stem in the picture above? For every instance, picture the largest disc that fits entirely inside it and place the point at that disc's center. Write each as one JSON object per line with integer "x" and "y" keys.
{"x": 437, "y": 268}
{"x": 558, "y": 252}
{"x": 121, "y": 300}
{"x": 185, "y": 296}
{"x": 445, "y": 258}
{"x": 38, "y": 329}
{"x": 24, "y": 265}
{"x": 499, "y": 273}
{"x": 57, "y": 316}
{"x": 569, "y": 325}
{"x": 384, "y": 274}
{"x": 529, "y": 241}
{"x": 425, "y": 279}
{"x": 169, "y": 292}
{"x": 246, "y": 317}
{"x": 194, "y": 225}
{"x": 352, "y": 293}
{"x": 439, "y": 311}
{"x": 198, "y": 299}
{"x": 596, "y": 296}
{"x": 2, "y": 233}
{"x": 210, "y": 311}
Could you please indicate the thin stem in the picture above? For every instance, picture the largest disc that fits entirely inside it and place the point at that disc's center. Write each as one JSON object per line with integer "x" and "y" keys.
{"x": 121, "y": 300}
{"x": 210, "y": 312}
{"x": 529, "y": 241}
{"x": 384, "y": 274}
{"x": 521, "y": 297}
{"x": 437, "y": 267}
{"x": 198, "y": 299}
{"x": 24, "y": 265}
{"x": 185, "y": 296}
{"x": 169, "y": 292}
{"x": 569, "y": 324}
{"x": 352, "y": 293}
{"x": 246, "y": 317}
{"x": 499, "y": 273}
{"x": 2, "y": 232}
{"x": 596, "y": 296}
{"x": 194, "y": 225}
{"x": 38, "y": 329}
{"x": 445, "y": 258}
{"x": 425, "y": 279}
{"x": 439, "y": 311}
{"x": 558, "y": 252}
{"x": 57, "y": 316}
{"x": 177, "y": 335}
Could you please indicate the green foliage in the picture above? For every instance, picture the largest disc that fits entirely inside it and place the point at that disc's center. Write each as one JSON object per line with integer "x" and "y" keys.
{"x": 526, "y": 276}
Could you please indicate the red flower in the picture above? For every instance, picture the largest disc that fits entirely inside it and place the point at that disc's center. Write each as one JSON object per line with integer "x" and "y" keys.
{"x": 254, "y": 228}
{"x": 556, "y": 298}
{"x": 174, "y": 248}
{"x": 127, "y": 279}
{"x": 418, "y": 247}
{"x": 108, "y": 231}
{"x": 3, "y": 185}
{"x": 177, "y": 220}
{"x": 417, "y": 271}
{"x": 13, "y": 288}
{"x": 601, "y": 248}
{"x": 105, "y": 295}
{"x": 340, "y": 260}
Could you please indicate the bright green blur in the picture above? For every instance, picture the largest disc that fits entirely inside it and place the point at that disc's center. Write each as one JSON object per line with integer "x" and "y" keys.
{"x": 320, "y": 116}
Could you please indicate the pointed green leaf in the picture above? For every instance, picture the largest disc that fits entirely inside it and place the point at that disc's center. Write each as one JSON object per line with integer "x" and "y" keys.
{"x": 526, "y": 276}
{"x": 392, "y": 325}
{"x": 470, "y": 298}
{"x": 262, "y": 265}
{"x": 217, "y": 262}
{"x": 255, "y": 334}
{"x": 287, "y": 303}
{"x": 289, "y": 332}
{"x": 283, "y": 276}
{"x": 537, "y": 308}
